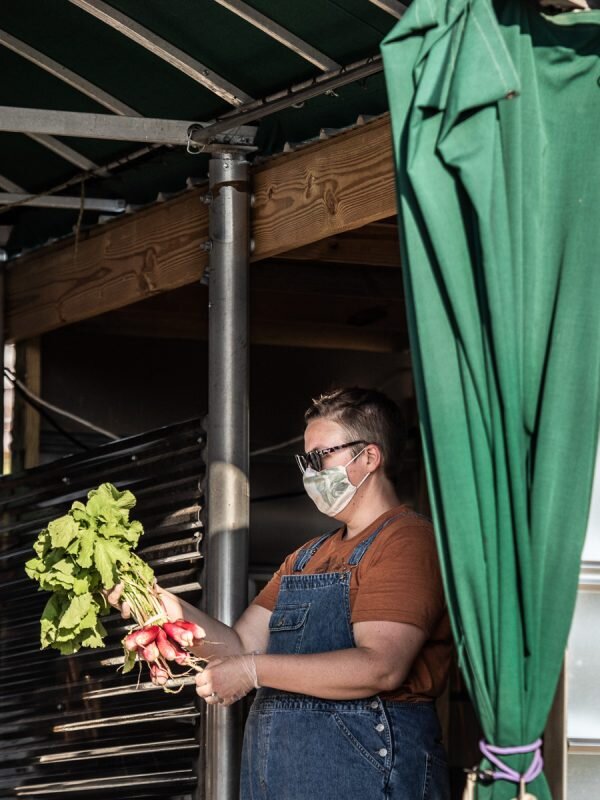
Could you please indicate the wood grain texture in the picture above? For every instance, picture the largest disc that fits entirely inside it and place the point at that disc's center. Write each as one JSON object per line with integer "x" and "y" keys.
{"x": 323, "y": 190}
{"x": 337, "y": 185}
{"x": 125, "y": 261}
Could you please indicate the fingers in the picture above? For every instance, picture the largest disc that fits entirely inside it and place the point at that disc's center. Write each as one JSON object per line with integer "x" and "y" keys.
{"x": 205, "y": 687}
{"x": 214, "y": 699}
{"x": 169, "y": 602}
{"x": 113, "y": 597}
{"x": 220, "y": 683}
{"x": 207, "y": 693}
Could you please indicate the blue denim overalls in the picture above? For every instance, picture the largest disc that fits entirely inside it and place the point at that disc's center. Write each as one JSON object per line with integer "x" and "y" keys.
{"x": 298, "y": 747}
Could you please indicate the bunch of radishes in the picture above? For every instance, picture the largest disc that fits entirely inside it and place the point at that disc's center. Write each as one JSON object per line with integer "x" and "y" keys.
{"x": 162, "y": 644}
{"x": 80, "y": 557}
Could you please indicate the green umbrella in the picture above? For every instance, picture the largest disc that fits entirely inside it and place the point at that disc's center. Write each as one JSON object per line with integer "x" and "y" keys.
{"x": 495, "y": 119}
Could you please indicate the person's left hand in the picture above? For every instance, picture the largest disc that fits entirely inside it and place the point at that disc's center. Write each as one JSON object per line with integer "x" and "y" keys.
{"x": 227, "y": 680}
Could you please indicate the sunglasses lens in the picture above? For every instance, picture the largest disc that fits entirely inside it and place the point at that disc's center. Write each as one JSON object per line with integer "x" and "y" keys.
{"x": 315, "y": 461}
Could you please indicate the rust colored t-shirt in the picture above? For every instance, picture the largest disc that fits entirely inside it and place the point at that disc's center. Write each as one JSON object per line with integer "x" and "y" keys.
{"x": 397, "y": 580}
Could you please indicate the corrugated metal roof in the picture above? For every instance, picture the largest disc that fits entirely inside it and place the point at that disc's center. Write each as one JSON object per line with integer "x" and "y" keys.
{"x": 232, "y": 51}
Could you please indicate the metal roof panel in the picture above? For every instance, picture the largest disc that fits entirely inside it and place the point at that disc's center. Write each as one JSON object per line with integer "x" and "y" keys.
{"x": 344, "y": 30}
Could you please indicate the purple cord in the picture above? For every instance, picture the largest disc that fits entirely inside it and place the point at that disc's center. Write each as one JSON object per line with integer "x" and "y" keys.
{"x": 506, "y": 773}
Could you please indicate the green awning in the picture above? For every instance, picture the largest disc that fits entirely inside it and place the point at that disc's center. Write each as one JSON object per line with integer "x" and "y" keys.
{"x": 495, "y": 114}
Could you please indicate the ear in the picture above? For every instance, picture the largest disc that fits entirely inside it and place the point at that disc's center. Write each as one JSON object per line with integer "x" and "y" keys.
{"x": 374, "y": 457}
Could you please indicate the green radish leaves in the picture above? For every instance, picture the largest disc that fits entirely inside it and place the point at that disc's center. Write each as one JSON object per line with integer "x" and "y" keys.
{"x": 63, "y": 531}
{"x": 130, "y": 659}
{"x": 86, "y": 548}
{"x": 79, "y": 554}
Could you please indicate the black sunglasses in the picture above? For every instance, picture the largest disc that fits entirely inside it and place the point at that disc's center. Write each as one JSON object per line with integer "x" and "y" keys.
{"x": 314, "y": 458}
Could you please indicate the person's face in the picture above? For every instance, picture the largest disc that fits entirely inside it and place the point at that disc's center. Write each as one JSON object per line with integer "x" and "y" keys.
{"x": 324, "y": 433}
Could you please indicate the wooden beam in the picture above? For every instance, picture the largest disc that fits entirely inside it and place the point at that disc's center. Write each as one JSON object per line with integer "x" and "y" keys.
{"x": 277, "y": 317}
{"x": 327, "y": 336}
{"x": 308, "y": 308}
{"x": 152, "y": 251}
{"x": 325, "y": 189}
{"x": 337, "y": 185}
{"x": 292, "y": 334}
{"x": 555, "y": 740}
{"x": 374, "y": 245}
{"x": 333, "y": 280}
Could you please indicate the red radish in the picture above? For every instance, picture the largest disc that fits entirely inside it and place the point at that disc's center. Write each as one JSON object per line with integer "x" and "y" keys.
{"x": 182, "y": 658}
{"x": 180, "y": 635}
{"x": 196, "y": 631}
{"x": 158, "y": 645}
{"x": 130, "y": 643}
{"x": 150, "y": 653}
{"x": 167, "y": 649}
{"x": 158, "y": 674}
{"x": 147, "y": 635}
{"x": 141, "y": 637}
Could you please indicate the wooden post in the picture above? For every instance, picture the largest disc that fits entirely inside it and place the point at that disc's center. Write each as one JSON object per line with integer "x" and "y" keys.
{"x": 25, "y": 451}
{"x": 555, "y": 741}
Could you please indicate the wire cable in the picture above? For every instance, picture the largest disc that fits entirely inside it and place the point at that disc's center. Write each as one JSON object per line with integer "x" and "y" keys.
{"x": 273, "y": 447}
{"x": 48, "y": 417}
{"x": 56, "y": 409}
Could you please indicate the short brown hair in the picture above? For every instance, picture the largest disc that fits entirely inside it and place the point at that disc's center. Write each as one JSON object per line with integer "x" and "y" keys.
{"x": 368, "y": 415}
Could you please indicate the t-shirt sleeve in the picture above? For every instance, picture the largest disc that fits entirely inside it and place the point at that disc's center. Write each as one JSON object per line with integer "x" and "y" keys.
{"x": 267, "y": 597}
{"x": 401, "y": 581}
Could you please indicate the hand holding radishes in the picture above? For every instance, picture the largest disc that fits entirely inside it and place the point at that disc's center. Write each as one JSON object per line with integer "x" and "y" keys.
{"x": 227, "y": 680}
{"x": 174, "y": 607}
{"x": 81, "y": 557}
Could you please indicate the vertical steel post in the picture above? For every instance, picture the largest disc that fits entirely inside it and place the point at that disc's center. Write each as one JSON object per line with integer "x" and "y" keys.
{"x": 2, "y": 365}
{"x": 228, "y": 501}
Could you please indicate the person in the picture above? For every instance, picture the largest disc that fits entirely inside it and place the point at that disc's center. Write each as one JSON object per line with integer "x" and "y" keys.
{"x": 349, "y": 644}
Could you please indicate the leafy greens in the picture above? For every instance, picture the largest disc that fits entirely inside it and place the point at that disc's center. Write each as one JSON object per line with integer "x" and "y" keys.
{"x": 77, "y": 556}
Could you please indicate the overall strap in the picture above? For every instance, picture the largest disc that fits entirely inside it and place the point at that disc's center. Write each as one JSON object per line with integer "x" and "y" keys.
{"x": 307, "y": 553}
{"x": 362, "y": 548}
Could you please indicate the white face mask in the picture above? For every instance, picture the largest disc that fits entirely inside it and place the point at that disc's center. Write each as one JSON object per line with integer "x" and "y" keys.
{"x": 331, "y": 489}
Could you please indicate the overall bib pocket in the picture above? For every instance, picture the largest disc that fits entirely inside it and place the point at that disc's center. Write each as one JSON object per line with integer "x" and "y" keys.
{"x": 286, "y": 628}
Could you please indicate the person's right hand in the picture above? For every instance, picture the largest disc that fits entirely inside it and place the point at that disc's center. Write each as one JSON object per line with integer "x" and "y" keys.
{"x": 113, "y": 597}
{"x": 170, "y": 603}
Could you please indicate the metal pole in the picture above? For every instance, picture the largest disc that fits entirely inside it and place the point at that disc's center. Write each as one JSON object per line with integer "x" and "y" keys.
{"x": 228, "y": 502}
{"x": 2, "y": 343}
